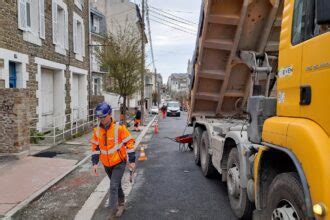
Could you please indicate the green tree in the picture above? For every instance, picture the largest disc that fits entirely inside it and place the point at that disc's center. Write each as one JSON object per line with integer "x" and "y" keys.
{"x": 121, "y": 55}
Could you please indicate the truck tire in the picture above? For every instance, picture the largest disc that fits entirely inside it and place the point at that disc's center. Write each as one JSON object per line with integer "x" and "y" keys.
{"x": 286, "y": 198}
{"x": 197, "y": 137}
{"x": 206, "y": 159}
{"x": 238, "y": 197}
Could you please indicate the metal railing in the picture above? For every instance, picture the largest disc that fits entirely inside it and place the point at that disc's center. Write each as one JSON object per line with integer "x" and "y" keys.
{"x": 62, "y": 128}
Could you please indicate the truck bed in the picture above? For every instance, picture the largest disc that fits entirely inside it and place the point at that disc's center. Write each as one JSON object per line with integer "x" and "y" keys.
{"x": 221, "y": 79}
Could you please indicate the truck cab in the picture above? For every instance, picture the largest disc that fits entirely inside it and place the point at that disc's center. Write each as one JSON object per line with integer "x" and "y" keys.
{"x": 292, "y": 168}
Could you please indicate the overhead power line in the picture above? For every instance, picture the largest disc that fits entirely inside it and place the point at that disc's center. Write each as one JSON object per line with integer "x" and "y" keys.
{"x": 175, "y": 16}
{"x": 178, "y": 11}
{"x": 150, "y": 39}
{"x": 173, "y": 27}
{"x": 154, "y": 13}
{"x": 173, "y": 23}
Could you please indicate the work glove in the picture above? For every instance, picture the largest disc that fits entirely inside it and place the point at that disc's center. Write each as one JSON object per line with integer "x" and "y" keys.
{"x": 94, "y": 169}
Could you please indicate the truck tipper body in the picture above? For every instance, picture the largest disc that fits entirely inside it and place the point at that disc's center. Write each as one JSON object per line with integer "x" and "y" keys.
{"x": 258, "y": 104}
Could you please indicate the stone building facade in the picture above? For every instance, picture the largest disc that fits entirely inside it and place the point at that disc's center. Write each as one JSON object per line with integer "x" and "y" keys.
{"x": 98, "y": 31}
{"x": 14, "y": 125}
{"x": 178, "y": 83}
{"x": 44, "y": 48}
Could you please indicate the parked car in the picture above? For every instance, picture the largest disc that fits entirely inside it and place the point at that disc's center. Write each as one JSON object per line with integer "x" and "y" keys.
{"x": 173, "y": 108}
{"x": 154, "y": 110}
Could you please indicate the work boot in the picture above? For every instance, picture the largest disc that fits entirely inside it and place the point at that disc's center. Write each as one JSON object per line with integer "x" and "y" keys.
{"x": 121, "y": 207}
{"x": 121, "y": 201}
{"x": 120, "y": 211}
{"x": 112, "y": 214}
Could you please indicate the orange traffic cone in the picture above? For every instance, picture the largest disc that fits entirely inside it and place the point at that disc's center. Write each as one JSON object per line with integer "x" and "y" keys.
{"x": 142, "y": 155}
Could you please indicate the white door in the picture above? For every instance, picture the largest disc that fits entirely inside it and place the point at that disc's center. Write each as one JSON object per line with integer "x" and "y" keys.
{"x": 75, "y": 97}
{"x": 47, "y": 98}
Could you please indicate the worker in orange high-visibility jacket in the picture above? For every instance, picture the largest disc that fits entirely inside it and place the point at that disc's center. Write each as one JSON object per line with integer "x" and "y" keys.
{"x": 113, "y": 145}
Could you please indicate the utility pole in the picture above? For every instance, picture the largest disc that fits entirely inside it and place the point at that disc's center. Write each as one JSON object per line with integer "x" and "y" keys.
{"x": 155, "y": 90}
{"x": 142, "y": 66}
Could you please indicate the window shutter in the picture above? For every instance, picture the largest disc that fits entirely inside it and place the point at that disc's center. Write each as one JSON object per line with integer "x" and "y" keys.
{"x": 83, "y": 39}
{"x": 21, "y": 7}
{"x": 66, "y": 29}
{"x": 74, "y": 35}
{"x": 54, "y": 16}
{"x": 42, "y": 18}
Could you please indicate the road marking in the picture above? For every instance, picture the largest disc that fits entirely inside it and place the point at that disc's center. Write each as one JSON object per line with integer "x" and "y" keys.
{"x": 96, "y": 198}
{"x": 94, "y": 201}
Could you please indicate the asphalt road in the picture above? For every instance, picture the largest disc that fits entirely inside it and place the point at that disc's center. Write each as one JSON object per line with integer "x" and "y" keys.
{"x": 170, "y": 186}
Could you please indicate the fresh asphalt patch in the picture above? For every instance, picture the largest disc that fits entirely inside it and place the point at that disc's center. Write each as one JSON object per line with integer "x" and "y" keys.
{"x": 170, "y": 186}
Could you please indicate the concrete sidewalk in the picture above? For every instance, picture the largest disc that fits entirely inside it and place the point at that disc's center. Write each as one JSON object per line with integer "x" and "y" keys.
{"x": 24, "y": 179}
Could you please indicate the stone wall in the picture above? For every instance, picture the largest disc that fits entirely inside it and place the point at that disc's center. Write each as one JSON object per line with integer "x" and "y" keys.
{"x": 14, "y": 124}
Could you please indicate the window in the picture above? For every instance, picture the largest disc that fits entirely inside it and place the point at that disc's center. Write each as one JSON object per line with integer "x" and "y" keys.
{"x": 12, "y": 75}
{"x": 173, "y": 104}
{"x": 298, "y": 22}
{"x": 304, "y": 23}
{"x": 95, "y": 24}
{"x": 31, "y": 20}
{"x": 78, "y": 37}
{"x": 13, "y": 69}
{"x": 60, "y": 26}
{"x": 95, "y": 62}
{"x": 28, "y": 14}
{"x": 97, "y": 86}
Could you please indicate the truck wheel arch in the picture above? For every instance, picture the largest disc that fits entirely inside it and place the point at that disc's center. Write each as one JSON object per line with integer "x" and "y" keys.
{"x": 235, "y": 139}
{"x": 272, "y": 162}
{"x": 229, "y": 144}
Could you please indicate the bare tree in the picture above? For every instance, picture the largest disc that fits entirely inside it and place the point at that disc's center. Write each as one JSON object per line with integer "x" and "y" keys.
{"x": 121, "y": 56}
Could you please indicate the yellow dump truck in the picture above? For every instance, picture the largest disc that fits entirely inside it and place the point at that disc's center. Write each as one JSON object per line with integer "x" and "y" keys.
{"x": 260, "y": 105}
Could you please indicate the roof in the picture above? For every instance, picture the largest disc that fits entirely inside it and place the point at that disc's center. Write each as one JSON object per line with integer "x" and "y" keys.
{"x": 179, "y": 75}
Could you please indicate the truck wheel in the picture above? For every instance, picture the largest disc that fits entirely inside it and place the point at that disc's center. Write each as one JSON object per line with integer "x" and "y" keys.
{"x": 286, "y": 198}
{"x": 206, "y": 159}
{"x": 238, "y": 198}
{"x": 196, "y": 143}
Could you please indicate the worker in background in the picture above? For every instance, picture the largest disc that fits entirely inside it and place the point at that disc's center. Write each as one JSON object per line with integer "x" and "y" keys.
{"x": 121, "y": 114}
{"x": 113, "y": 145}
{"x": 137, "y": 121}
{"x": 164, "y": 111}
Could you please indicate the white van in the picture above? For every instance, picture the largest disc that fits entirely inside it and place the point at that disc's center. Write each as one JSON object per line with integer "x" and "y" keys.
{"x": 173, "y": 108}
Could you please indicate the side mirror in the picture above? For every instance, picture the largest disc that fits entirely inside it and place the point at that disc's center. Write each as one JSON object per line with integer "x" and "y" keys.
{"x": 322, "y": 12}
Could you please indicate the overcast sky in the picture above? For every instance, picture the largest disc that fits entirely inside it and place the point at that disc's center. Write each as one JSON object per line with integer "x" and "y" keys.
{"x": 172, "y": 48}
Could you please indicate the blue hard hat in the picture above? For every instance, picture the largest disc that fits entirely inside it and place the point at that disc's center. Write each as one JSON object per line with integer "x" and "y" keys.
{"x": 102, "y": 110}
